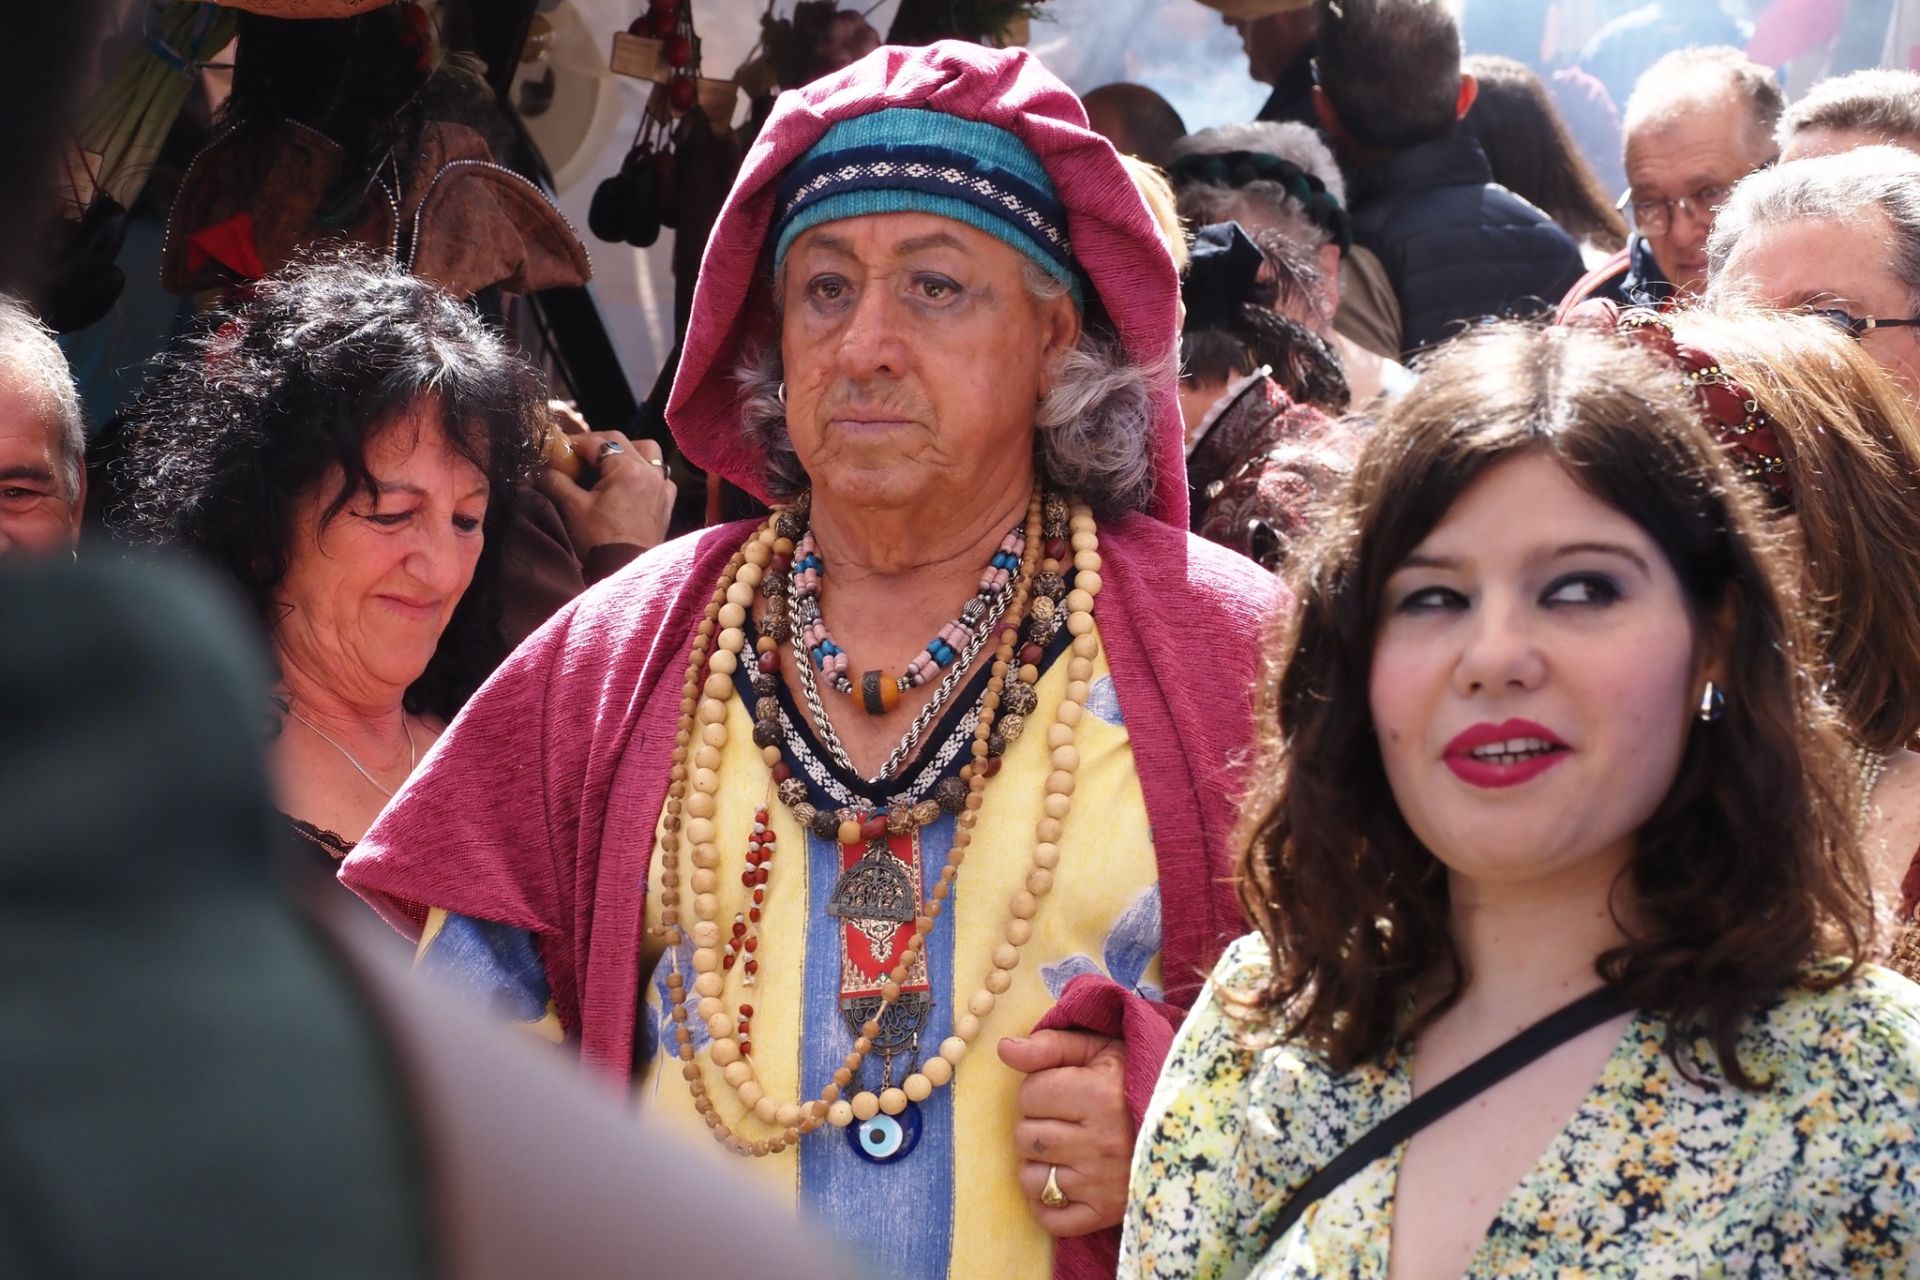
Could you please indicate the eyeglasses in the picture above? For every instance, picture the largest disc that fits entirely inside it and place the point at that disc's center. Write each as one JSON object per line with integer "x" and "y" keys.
{"x": 1860, "y": 326}
{"x": 1653, "y": 217}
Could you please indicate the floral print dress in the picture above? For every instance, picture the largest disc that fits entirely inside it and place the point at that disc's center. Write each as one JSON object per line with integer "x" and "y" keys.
{"x": 1655, "y": 1175}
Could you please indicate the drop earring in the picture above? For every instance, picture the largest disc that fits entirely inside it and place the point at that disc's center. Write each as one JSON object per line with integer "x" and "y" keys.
{"x": 1713, "y": 704}
{"x": 780, "y": 394}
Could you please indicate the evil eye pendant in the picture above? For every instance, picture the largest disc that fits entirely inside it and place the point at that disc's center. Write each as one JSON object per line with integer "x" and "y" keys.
{"x": 885, "y": 1138}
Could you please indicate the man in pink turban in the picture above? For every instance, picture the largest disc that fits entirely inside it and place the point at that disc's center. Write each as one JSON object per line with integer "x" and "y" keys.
{"x": 885, "y": 840}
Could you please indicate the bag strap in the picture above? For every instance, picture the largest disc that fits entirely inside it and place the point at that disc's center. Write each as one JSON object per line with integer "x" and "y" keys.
{"x": 1544, "y": 1036}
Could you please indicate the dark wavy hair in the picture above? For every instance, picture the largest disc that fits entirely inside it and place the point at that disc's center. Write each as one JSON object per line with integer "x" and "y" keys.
{"x": 1533, "y": 154}
{"x": 251, "y": 411}
{"x": 1748, "y": 869}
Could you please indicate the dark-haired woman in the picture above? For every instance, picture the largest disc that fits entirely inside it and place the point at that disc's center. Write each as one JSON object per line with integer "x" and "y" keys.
{"x": 345, "y": 446}
{"x": 1549, "y": 757}
{"x": 1256, "y": 394}
{"x": 1533, "y": 155}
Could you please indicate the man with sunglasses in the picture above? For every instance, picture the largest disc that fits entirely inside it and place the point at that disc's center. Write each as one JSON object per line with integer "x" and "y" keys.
{"x": 1699, "y": 121}
{"x": 1837, "y": 235}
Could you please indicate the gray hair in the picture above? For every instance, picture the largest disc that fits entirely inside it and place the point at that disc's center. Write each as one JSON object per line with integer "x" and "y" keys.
{"x": 1261, "y": 204}
{"x": 34, "y": 363}
{"x": 1838, "y": 187}
{"x": 1096, "y": 424}
{"x": 1882, "y": 101}
{"x": 1679, "y": 79}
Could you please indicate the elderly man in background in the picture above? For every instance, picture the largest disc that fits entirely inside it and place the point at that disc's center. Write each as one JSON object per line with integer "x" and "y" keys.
{"x": 1839, "y": 235}
{"x": 1863, "y": 109}
{"x": 1278, "y": 38}
{"x": 1699, "y": 121}
{"x": 1136, "y": 120}
{"x": 1280, "y": 183}
{"x": 1456, "y": 246}
{"x": 43, "y": 441}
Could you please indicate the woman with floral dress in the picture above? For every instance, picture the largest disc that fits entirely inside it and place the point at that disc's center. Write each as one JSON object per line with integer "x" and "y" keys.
{"x": 1550, "y": 738}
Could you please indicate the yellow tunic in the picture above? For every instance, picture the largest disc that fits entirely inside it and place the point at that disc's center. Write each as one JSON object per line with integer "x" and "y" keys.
{"x": 1102, "y": 916}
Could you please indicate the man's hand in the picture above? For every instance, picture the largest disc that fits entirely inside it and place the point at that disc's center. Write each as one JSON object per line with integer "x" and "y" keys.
{"x": 1074, "y": 1122}
{"x": 631, "y": 503}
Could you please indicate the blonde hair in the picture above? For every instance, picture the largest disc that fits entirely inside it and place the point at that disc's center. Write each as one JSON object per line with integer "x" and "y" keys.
{"x": 1152, "y": 184}
{"x": 1851, "y": 443}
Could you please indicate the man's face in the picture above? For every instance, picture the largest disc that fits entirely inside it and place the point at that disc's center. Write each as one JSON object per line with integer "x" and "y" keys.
{"x": 39, "y": 515}
{"x": 1827, "y": 263}
{"x": 1694, "y": 155}
{"x": 914, "y": 357}
{"x": 1273, "y": 42}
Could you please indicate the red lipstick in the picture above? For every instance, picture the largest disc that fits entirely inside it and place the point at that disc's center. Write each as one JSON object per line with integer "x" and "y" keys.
{"x": 1504, "y": 755}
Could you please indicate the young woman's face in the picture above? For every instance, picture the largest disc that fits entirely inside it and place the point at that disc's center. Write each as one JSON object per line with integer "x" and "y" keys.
{"x": 1535, "y": 676}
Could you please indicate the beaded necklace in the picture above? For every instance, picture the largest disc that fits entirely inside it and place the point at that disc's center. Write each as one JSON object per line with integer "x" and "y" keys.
{"x": 719, "y": 644}
{"x": 879, "y": 693}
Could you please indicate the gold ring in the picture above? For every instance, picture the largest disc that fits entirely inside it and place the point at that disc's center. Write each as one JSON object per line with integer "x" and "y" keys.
{"x": 1051, "y": 1195}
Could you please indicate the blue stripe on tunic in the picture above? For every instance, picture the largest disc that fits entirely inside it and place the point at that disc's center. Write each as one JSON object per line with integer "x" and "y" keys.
{"x": 897, "y": 1217}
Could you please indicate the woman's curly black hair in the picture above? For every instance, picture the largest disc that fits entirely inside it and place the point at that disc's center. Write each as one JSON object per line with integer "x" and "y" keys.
{"x": 254, "y": 408}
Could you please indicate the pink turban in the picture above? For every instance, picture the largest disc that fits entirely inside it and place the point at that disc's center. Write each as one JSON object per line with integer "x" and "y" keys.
{"x": 1114, "y": 238}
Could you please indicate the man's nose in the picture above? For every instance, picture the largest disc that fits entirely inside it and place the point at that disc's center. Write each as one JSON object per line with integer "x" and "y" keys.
{"x": 870, "y": 342}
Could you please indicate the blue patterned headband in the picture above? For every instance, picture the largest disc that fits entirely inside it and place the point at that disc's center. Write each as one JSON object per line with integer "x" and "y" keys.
{"x": 909, "y": 160}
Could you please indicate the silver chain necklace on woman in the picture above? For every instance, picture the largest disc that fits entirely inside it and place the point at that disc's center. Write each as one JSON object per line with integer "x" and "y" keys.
{"x": 412, "y": 757}
{"x": 823, "y": 726}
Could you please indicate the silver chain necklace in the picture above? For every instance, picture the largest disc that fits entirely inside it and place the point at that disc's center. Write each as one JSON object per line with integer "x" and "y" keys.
{"x": 823, "y": 725}
{"x": 412, "y": 757}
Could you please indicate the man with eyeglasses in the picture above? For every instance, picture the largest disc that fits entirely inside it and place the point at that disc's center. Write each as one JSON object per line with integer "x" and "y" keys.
{"x": 1837, "y": 235}
{"x": 1699, "y": 121}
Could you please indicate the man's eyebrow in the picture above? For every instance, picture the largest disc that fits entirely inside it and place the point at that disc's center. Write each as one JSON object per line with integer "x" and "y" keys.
{"x": 1816, "y": 297}
{"x": 932, "y": 240}
{"x": 24, "y": 472}
{"x": 828, "y": 241}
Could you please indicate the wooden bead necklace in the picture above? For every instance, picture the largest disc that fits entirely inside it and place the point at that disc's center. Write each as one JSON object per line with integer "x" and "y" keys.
{"x": 720, "y": 642}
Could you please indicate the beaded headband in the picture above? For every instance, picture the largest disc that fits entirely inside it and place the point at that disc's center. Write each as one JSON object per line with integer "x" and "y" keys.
{"x": 1235, "y": 169}
{"x": 1738, "y": 422}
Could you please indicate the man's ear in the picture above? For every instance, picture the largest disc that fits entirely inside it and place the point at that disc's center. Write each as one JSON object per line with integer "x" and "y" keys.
{"x": 1469, "y": 91}
{"x": 1062, "y": 327}
{"x": 1330, "y": 118}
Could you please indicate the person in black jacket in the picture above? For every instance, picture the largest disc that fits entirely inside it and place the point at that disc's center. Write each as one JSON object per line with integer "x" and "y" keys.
{"x": 1456, "y": 246}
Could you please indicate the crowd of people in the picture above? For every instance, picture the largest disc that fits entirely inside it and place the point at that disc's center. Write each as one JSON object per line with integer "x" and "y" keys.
{"x": 1316, "y": 697}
